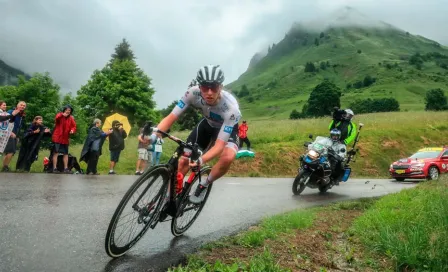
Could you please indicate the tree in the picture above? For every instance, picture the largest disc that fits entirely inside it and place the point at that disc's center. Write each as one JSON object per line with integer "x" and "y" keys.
{"x": 322, "y": 35}
{"x": 435, "y": 100}
{"x": 316, "y": 41}
{"x": 295, "y": 114}
{"x": 359, "y": 51}
{"x": 120, "y": 87}
{"x": 323, "y": 98}
{"x": 187, "y": 121}
{"x": 309, "y": 67}
{"x": 123, "y": 51}
{"x": 40, "y": 93}
{"x": 244, "y": 91}
{"x": 323, "y": 65}
{"x": 375, "y": 105}
{"x": 368, "y": 80}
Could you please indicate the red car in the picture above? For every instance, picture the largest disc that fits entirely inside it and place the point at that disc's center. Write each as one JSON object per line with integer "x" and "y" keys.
{"x": 427, "y": 163}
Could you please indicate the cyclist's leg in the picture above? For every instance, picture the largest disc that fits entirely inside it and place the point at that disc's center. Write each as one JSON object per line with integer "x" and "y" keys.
{"x": 224, "y": 162}
{"x": 219, "y": 169}
{"x": 202, "y": 134}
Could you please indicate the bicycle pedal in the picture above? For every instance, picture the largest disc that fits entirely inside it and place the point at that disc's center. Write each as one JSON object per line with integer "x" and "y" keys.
{"x": 163, "y": 216}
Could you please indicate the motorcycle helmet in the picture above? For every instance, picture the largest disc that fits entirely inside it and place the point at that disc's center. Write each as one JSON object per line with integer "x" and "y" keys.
{"x": 349, "y": 114}
{"x": 335, "y": 135}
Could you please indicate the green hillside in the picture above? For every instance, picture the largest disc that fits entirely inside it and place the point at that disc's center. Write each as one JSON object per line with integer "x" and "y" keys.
{"x": 278, "y": 83}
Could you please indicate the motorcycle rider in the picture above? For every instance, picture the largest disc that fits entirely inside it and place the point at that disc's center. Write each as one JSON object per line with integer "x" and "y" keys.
{"x": 342, "y": 120}
{"x": 339, "y": 154}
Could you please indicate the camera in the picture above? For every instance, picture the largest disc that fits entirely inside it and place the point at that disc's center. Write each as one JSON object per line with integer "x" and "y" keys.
{"x": 338, "y": 114}
{"x": 147, "y": 128}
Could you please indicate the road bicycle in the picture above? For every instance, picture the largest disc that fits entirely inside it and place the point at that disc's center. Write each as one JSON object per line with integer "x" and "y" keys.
{"x": 158, "y": 195}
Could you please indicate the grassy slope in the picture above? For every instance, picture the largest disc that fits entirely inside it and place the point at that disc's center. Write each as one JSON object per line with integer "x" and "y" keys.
{"x": 405, "y": 231}
{"x": 278, "y": 144}
{"x": 294, "y": 85}
{"x": 410, "y": 227}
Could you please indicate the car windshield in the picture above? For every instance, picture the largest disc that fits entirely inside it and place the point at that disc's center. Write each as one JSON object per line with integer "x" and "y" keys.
{"x": 425, "y": 155}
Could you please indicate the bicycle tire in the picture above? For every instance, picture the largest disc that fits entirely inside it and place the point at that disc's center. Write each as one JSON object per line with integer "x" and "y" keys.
{"x": 175, "y": 229}
{"x": 112, "y": 249}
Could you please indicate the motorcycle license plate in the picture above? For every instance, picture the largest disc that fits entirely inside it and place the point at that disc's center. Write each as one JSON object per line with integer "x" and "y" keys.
{"x": 400, "y": 171}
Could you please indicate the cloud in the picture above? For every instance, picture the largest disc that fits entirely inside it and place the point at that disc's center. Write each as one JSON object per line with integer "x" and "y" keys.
{"x": 172, "y": 39}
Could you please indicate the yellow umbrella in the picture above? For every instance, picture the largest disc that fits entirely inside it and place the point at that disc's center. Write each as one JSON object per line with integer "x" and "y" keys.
{"x": 118, "y": 117}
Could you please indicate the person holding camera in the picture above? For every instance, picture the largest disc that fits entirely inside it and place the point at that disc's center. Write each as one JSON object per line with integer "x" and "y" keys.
{"x": 342, "y": 121}
{"x": 29, "y": 148}
{"x": 93, "y": 144}
{"x": 144, "y": 156}
{"x": 116, "y": 144}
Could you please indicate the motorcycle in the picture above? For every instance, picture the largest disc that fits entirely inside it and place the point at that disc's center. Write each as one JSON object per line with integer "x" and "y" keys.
{"x": 315, "y": 169}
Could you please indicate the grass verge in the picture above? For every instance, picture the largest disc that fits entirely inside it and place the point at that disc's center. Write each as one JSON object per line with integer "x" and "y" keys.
{"x": 410, "y": 227}
{"x": 278, "y": 144}
{"x": 405, "y": 231}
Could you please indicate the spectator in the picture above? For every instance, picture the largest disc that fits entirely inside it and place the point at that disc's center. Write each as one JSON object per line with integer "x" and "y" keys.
{"x": 157, "y": 150}
{"x": 7, "y": 117}
{"x": 242, "y": 134}
{"x": 30, "y": 144}
{"x": 93, "y": 144}
{"x": 116, "y": 144}
{"x": 143, "y": 153}
{"x": 11, "y": 146}
{"x": 2, "y": 106}
{"x": 65, "y": 126}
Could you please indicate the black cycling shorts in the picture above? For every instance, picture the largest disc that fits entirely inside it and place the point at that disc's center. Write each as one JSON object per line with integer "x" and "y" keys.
{"x": 205, "y": 136}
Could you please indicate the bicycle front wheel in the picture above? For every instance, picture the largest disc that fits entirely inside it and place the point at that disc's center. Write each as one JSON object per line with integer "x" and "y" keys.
{"x": 188, "y": 212}
{"x": 139, "y": 207}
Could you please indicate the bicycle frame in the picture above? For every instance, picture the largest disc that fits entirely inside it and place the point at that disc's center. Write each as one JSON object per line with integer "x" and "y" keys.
{"x": 172, "y": 198}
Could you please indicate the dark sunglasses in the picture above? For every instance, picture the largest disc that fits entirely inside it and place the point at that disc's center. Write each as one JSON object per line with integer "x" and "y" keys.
{"x": 213, "y": 87}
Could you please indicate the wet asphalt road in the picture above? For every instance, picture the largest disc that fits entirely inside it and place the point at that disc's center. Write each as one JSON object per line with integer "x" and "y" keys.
{"x": 58, "y": 222}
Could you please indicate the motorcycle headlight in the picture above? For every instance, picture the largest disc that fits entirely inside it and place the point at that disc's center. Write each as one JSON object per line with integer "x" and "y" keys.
{"x": 313, "y": 154}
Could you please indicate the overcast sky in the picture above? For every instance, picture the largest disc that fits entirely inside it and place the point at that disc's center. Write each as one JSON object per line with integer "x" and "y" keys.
{"x": 173, "y": 38}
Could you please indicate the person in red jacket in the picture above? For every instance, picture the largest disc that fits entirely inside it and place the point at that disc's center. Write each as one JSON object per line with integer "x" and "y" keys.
{"x": 242, "y": 134}
{"x": 65, "y": 126}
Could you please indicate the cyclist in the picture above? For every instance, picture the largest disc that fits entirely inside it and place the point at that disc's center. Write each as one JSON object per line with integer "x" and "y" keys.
{"x": 216, "y": 133}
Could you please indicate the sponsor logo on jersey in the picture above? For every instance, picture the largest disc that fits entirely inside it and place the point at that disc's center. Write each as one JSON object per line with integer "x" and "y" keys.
{"x": 232, "y": 117}
{"x": 181, "y": 104}
{"x": 215, "y": 116}
{"x": 228, "y": 129}
{"x": 225, "y": 107}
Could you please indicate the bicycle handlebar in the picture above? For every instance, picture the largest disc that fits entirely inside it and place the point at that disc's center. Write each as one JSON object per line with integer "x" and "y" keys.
{"x": 195, "y": 152}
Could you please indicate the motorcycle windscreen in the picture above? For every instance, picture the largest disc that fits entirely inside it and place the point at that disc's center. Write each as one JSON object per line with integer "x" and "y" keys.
{"x": 347, "y": 172}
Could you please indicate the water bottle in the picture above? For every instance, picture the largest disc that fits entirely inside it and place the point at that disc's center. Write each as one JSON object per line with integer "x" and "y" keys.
{"x": 180, "y": 182}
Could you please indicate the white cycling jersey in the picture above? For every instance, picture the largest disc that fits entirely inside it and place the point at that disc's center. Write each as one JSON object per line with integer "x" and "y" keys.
{"x": 225, "y": 115}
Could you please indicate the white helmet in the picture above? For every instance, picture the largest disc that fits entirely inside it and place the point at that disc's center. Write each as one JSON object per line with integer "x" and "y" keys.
{"x": 210, "y": 74}
{"x": 349, "y": 114}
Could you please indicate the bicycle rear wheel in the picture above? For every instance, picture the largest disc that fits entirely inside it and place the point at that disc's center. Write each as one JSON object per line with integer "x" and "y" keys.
{"x": 139, "y": 207}
{"x": 188, "y": 212}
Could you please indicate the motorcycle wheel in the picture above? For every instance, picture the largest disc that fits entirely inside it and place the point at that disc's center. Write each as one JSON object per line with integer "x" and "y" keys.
{"x": 323, "y": 189}
{"x": 299, "y": 183}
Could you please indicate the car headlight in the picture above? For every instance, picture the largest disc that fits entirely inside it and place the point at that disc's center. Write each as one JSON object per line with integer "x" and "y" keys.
{"x": 313, "y": 154}
{"x": 391, "y": 166}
